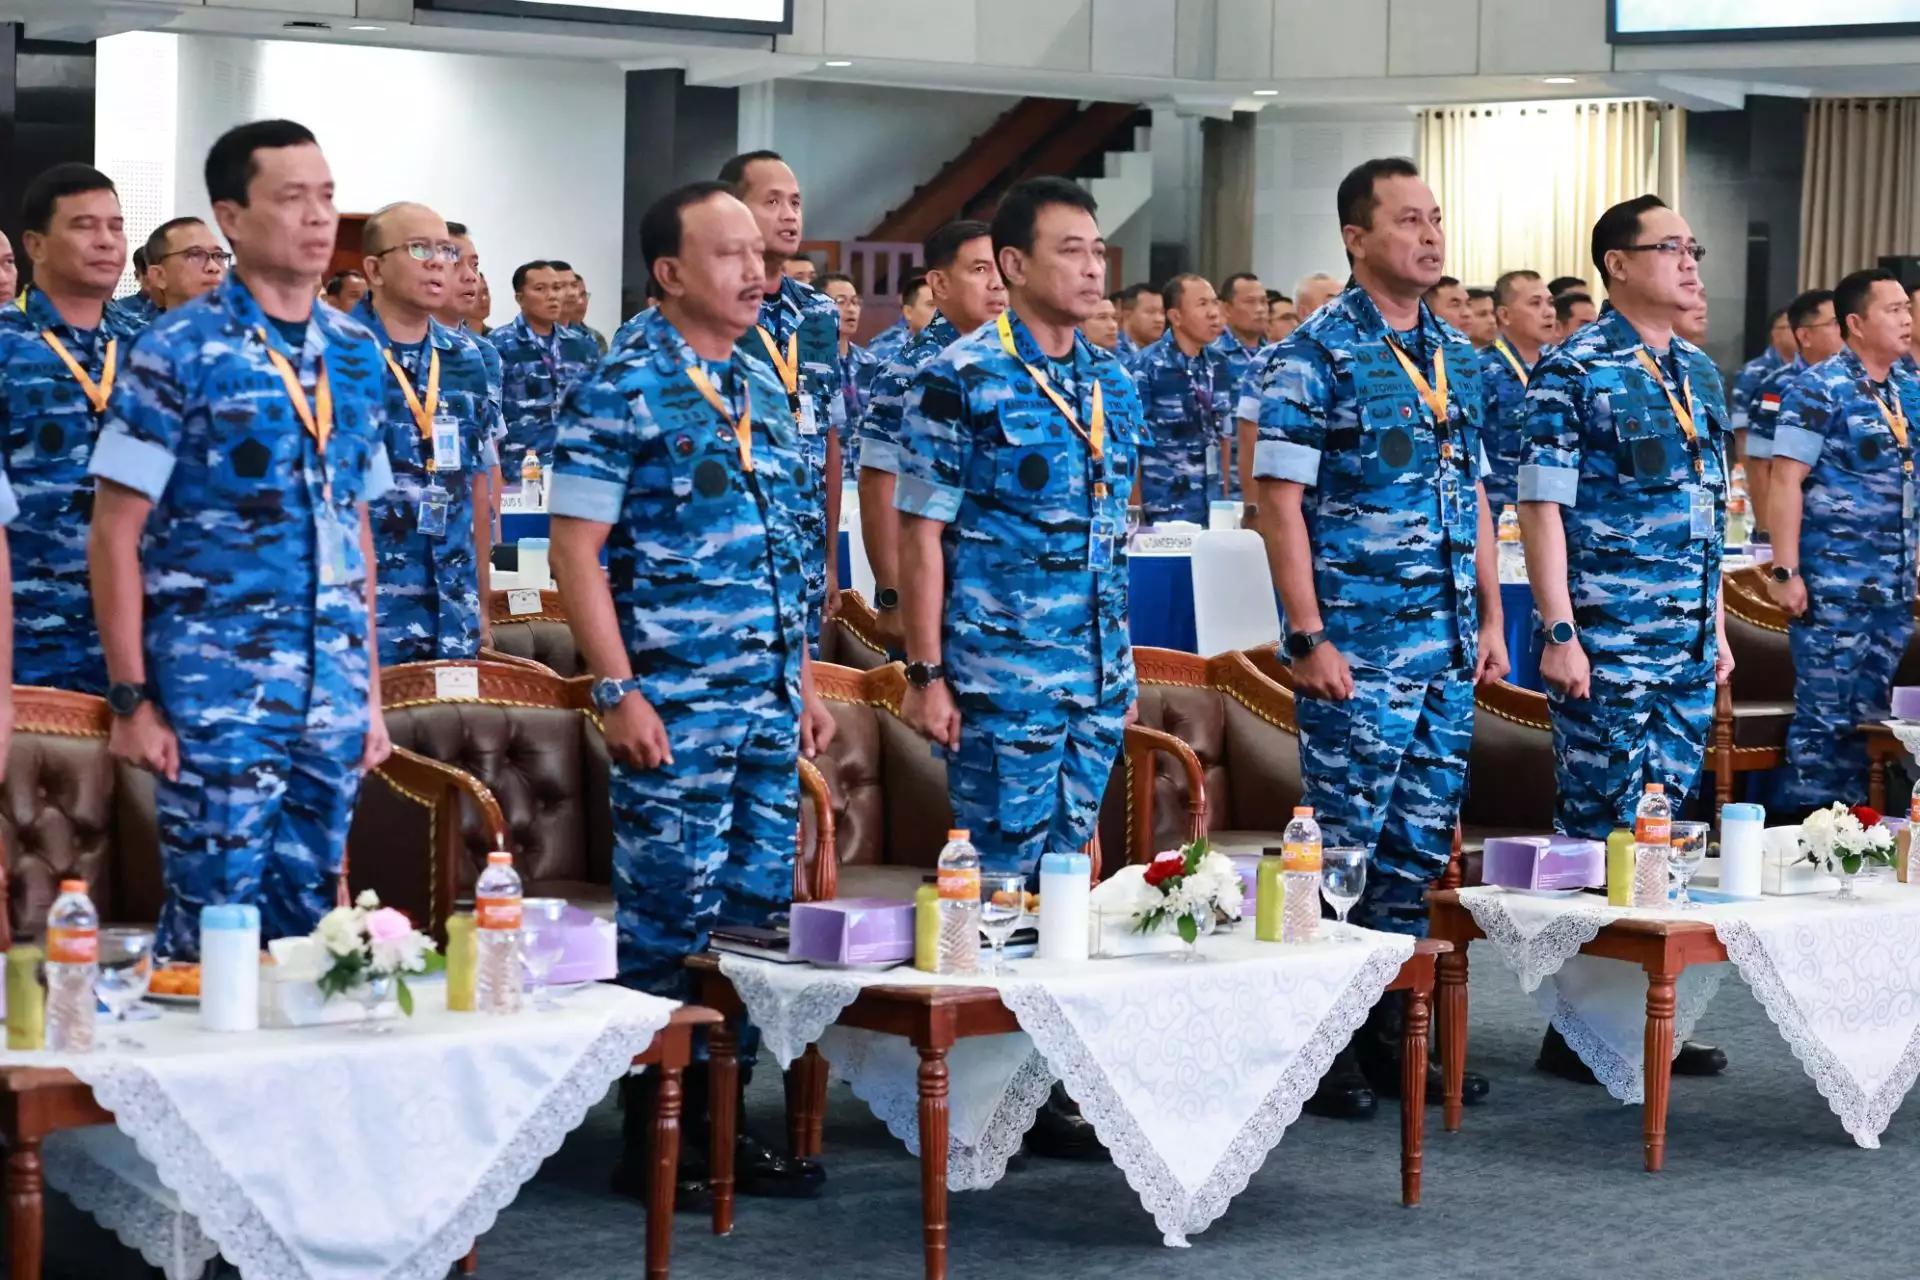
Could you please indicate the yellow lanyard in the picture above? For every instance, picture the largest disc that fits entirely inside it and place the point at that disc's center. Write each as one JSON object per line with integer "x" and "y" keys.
{"x": 1897, "y": 423}
{"x": 423, "y": 414}
{"x": 789, "y": 368}
{"x": 317, "y": 418}
{"x": 1096, "y": 434}
{"x": 1433, "y": 396}
{"x": 1683, "y": 412}
{"x": 1507, "y": 353}
{"x": 97, "y": 393}
{"x": 743, "y": 429}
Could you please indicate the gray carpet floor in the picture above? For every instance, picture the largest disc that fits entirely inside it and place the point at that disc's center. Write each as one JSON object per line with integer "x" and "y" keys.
{"x": 1544, "y": 1181}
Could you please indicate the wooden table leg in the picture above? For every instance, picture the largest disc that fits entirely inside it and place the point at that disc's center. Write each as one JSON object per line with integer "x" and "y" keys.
{"x": 723, "y": 1080}
{"x": 1658, "y": 1064}
{"x": 664, "y": 1173}
{"x": 806, "y": 1096}
{"x": 1453, "y": 1033}
{"x": 1877, "y": 781}
{"x": 471, "y": 1263}
{"x": 1413, "y": 1092}
{"x": 816, "y": 1103}
{"x": 933, "y": 1159}
{"x": 26, "y": 1223}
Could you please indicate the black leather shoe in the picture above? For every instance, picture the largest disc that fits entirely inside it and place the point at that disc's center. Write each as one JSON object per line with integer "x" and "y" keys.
{"x": 1344, "y": 1093}
{"x": 690, "y": 1194}
{"x": 1377, "y": 1046}
{"x": 1060, "y": 1132}
{"x": 1557, "y": 1058}
{"x": 759, "y": 1170}
{"x": 1696, "y": 1059}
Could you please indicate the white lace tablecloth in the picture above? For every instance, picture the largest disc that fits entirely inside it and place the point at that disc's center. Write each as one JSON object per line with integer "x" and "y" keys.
{"x": 1908, "y": 733}
{"x": 322, "y": 1154}
{"x": 1841, "y": 980}
{"x": 1189, "y": 1073}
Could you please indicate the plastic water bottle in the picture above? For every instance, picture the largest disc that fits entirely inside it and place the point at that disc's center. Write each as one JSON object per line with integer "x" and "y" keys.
{"x": 496, "y": 917}
{"x": 1652, "y": 833}
{"x": 959, "y": 885}
{"x": 1513, "y": 556}
{"x": 73, "y": 958}
{"x": 1300, "y": 878}
{"x": 530, "y": 481}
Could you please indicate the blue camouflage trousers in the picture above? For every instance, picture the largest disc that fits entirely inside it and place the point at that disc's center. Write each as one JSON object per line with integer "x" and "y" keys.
{"x": 1636, "y": 727}
{"x": 1384, "y": 771}
{"x": 1028, "y": 784}
{"x": 259, "y": 815}
{"x": 1843, "y": 677}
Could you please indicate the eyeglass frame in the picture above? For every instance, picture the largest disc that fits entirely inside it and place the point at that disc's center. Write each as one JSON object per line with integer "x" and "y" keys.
{"x": 446, "y": 250}
{"x": 225, "y": 257}
{"x": 1692, "y": 248}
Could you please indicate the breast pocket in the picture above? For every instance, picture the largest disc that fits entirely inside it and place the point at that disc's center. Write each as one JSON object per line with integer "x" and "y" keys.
{"x": 702, "y": 467}
{"x": 254, "y": 455}
{"x": 1870, "y": 446}
{"x": 1034, "y": 464}
{"x": 1393, "y": 443}
{"x": 1651, "y": 455}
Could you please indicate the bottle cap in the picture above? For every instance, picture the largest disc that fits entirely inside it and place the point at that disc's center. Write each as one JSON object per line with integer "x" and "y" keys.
{"x": 499, "y": 858}
{"x": 229, "y": 915}
{"x": 1303, "y": 811}
{"x": 1656, "y": 788}
{"x": 73, "y": 886}
{"x": 1743, "y": 813}
{"x": 959, "y": 833}
{"x": 1066, "y": 864}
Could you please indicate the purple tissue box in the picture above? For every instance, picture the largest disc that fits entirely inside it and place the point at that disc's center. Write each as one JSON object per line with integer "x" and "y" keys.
{"x": 1544, "y": 862}
{"x": 592, "y": 953}
{"x": 852, "y": 931}
{"x": 1906, "y": 702}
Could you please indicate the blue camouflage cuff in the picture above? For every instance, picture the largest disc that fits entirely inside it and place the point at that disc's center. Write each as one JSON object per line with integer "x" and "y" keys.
{"x": 379, "y": 477}
{"x": 9, "y": 504}
{"x": 1486, "y": 467}
{"x": 919, "y": 497}
{"x": 489, "y": 454}
{"x": 140, "y": 465}
{"x": 1759, "y": 446}
{"x": 1248, "y": 409}
{"x": 1286, "y": 460}
{"x": 1739, "y": 419}
{"x": 879, "y": 455}
{"x": 586, "y": 498}
{"x": 1548, "y": 484}
{"x": 1797, "y": 443}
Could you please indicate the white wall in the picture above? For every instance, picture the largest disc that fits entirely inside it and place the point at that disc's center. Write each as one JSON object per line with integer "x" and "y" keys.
{"x": 529, "y": 154}
{"x": 132, "y": 142}
{"x": 1300, "y": 155}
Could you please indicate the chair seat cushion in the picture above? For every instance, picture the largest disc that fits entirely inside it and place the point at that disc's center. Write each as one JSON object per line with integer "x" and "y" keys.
{"x": 875, "y": 881}
{"x": 588, "y": 896}
{"x": 1244, "y": 842}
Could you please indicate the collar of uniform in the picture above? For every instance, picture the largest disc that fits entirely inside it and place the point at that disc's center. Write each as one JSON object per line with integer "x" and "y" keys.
{"x": 1029, "y": 351}
{"x": 438, "y": 335}
{"x": 940, "y": 330}
{"x": 322, "y": 321}
{"x": 1848, "y": 360}
{"x": 780, "y": 311}
{"x": 41, "y": 315}
{"x": 1229, "y": 342}
{"x": 1358, "y": 306}
{"x": 670, "y": 351}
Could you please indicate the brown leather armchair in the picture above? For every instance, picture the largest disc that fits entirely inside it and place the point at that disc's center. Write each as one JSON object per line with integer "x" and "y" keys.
{"x": 849, "y": 640}
{"x": 541, "y": 635}
{"x": 1750, "y": 716}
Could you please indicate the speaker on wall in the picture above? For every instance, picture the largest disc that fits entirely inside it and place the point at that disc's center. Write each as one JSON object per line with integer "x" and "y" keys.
{"x": 1906, "y": 267}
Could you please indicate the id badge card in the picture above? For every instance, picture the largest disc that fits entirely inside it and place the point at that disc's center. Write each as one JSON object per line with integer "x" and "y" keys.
{"x": 1700, "y": 513}
{"x": 446, "y": 443}
{"x": 1906, "y": 496}
{"x": 1106, "y": 529}
{"x": 433, "y": 511}
{"x": 809, "y": 422}
{"x": 330, "y": 548}
{"x": 1451, "y": 501}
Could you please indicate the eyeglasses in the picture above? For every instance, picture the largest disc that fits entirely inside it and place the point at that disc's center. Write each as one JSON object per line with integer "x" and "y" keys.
{"x": 198, "y": 257}
{"x": 425, "y": 250}
{"x": 1692, "y": 248}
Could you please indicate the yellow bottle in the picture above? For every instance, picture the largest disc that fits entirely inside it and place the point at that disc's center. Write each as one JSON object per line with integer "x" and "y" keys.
{"x": 926, "y": 929}
{"x": 463, "y": 964}
{"x": 1620, "y": 868}
{"x": 26, "y": 999}
{"x": 1269, "y": 899}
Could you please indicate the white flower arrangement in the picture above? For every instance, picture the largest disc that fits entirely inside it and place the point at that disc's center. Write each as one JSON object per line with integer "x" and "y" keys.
{"x": 1185, "y": 886}
{"x": 367, "y": 941}
{"x": 1840, "y": 841}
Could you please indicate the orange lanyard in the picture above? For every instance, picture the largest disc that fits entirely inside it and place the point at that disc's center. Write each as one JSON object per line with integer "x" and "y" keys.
{"x": 1507, "y": 352}
{"x": 789, "y": 369}
{"x": 422, "y": 413}
{"x": 97, "y": 393}
{"x": 1683, "y": 412}
{"x": 1433, "y": 396}
{"x": 317, "y": 418}
{"x": 1096, "y": 434}
{"x": 743, "y": 429}
{"x": 1897, "y": 423}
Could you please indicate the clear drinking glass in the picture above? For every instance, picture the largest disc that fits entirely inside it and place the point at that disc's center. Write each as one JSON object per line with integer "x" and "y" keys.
{"x": 543, "y": 941}
{"x": 1003, "y": 900}
{"x": 125, "y": 969}
{"x": 1343, "y": 877}
{"x": 1136, "y": 516}
{"x": 1684, "y": 855}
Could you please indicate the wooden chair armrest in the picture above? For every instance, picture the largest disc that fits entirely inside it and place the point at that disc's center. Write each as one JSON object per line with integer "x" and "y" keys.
{"x": 445, "y": 785}
{"x": 514, "y": 660}
{"x": 821, "y": 881}
{"x": 1140, "y": 745}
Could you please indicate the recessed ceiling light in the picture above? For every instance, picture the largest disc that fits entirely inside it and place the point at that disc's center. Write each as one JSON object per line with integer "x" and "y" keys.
{"x": 1559, "y": 80}
{"x": 366, "y": 27}
{"x": 840, "y": 62}
{"x": 1266, "y": 93}
{"x": 303, "y": 25}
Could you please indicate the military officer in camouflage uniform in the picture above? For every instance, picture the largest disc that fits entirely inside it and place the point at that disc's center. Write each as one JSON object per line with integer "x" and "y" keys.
{"x": 540, "y": 359}
{"x": 1017, "y": 452}
{"x": 1844, "y": 532}
{"x": 432, "y": 532}
{"x": 1781, "y": 349}
{"x": 968, "y": 293}
{"x": 1370, "y": 463}
{"x": 1243, "y": 310}
{"x": 1524, "y": 312}
{"x": 1816, "y": 337}
{"x": 60, "y": 357}
{"x": 680, "y": 455}
{"x": 245, "y": 440}
{"x": 1186, "y": 387}
{"x": 858, "y": 366}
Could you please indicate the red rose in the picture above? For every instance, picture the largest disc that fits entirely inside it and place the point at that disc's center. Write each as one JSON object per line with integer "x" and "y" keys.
{"x": 1165, "y": 868}
{"x": 1866, "y": 815}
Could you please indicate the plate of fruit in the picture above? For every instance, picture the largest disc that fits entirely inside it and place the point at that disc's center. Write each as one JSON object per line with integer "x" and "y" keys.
{"x": 175, "y": 984}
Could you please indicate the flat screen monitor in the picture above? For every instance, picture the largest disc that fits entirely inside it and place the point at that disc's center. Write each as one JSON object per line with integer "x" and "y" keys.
{"x": 1711, "y": 21}
{"x": 759, "y": 17}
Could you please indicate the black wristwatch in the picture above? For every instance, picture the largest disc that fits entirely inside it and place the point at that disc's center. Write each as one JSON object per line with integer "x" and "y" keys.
{"x": 886, "y": 600}
{"x": 1302, "y": 643}
{"x": 1782, "y": 574}
{"x": 125, "y": 699}
{"x": 922, "y": 674}
{"x": 1560, "y": 632}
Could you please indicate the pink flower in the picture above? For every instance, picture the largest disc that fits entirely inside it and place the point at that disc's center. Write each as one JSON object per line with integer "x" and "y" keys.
{"x": 388, "y": 925}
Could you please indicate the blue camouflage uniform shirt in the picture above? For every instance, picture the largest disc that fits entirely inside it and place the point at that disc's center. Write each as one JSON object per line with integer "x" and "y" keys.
{"x": 240, "y": 628}
{"x": 879, "y": 429}
{"x": 428, "y": 584}
{"x": 1125, "y": 350}
{"x": 1188, "y": 402}
{"x": 1503, "y": 383}
{"x": 1746, "y": 385}
{"x": 630, "y": 329}
{"x": 1395, "y": 579}
{"x": 1241, "y": 360}
{"x": 133, "y": 313}
{"x": 536, "y": 374}
{"x": 983, "y": 449}
{"x": 49, "y": 427}
{"x": 1857, "y": 524}
{"x": 800, "y": 322}
{"x": 887, "y": 344}
{"x": 1643, "y": 522}
{"x": 1763, "y": 410}
{"x": 703, "y": 556}
{"x": 858, "y": 369}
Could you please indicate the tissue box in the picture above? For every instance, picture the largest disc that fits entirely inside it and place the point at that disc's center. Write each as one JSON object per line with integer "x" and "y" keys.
{"x": 298, "y": 1002}
{"x": 852, "y": 931}
{"x": 1784, "y": 872}
{"x": 592, "y": 953}
{"x": 1906, "y": 702}
{"x": 1544, "y": 862}
{"x": 1112, "y": 934}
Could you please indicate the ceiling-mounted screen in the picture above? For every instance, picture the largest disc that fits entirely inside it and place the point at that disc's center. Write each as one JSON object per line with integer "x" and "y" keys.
{"x": 760, "y": 17}
{"x": 1707, "y": 21}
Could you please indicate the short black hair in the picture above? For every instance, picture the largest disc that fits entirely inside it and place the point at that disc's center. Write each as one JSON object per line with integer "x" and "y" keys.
{"x": 558, "y": 265}
{"x": 1225, "y": 292}
{"x": 1853, "y": 294}
{"x": 230, "y": 164}
{"x": 660, "y": 225}
{"x": 139, "y": 260}
{"x": 339, "y": 281}
{"x": 1503, "y": 287}
{"x": 1619, "y": 228}
{"x": 1564, "y": 304}
{"x": 1274, "y": 295}
{"x": 1356, "y": 200}
{"x": 802, "y": 257}
{"x": 1560, "y": 284}
{"x": 1129, "y": 297}
{"x": 538, "y": 264}
{"x": 457, "y": 229}
{"x": 1444, "y": 282}
{"x": 734, "y": 172}
{"x": 1780, "y": 312}
{"x": 840, "y": 276}
{"x": 943, "y": 246}
{"x": 1175, "y": 289}
{"x": 910, "y": 286}
{"x": 1019, "y": 212}
{"x": 49, "y": 186}
{"x": 156, "y": 246}
{"x": 1478, "y": 292}
{"x": 1804, "y": 309}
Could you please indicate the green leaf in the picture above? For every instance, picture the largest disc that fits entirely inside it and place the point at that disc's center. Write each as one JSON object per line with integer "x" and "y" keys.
{"x": 404, "y": 995}
{"x": 1189, "y": 931}
{"x": 1851, "y": 861}
{"x": 435, "y": 962}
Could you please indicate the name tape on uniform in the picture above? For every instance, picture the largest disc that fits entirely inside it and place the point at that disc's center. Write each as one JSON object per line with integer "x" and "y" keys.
{"x": 457, "y": 682}
{"x": 523, "y": 600}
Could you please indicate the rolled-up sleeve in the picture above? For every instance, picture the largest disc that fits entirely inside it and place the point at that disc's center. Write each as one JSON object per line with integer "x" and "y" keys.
{"x": 593, "y": 452}
{"x": 1557, "y": 410}
{"x": 935, "y": 444}
{"x": 141, "y": 436}
{"x": 1293, "y": 415}
{"x": 1800, "y": 430}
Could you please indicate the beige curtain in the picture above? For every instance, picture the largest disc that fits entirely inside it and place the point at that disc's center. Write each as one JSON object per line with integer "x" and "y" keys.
{"x": 1860, "y": 196}
{"x": 1521, "y": 184}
